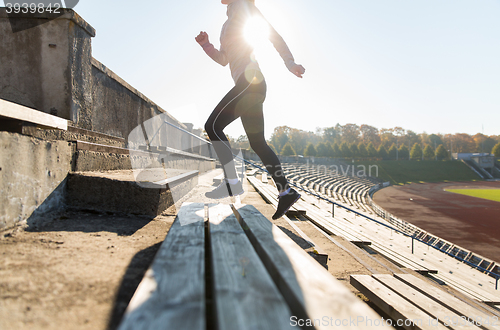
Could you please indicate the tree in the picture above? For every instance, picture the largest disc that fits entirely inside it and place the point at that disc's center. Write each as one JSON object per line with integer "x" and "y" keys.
{"x": 441, "y": 152}
{"x": 350, "y": 133}
{"x": 387, "y": 137}
{"x": 299, "y": 140}
{"x": 369, "y": 134}
{"x": 484, "y": 143}
{"x": 362, "y": 152}
{"x": 329, "y": 150}
{"x": 393, "y": 152}
{"x": 411, "y": 138}
{"x": 428, "y": 152}
{"x": 372, "y": 152}
{"x": 382, "y": 152}
{"x": 403, "y": 152}
{"x": 386, "y": 143}
{"x": 310, "y": 150}
{"x": 242, "y": 142}
{"x": 336, "y": 150}
{"x": 463, "y": 143}
{"x": 280, "y": 137}
{"x": 416, "y": 152}
{"x": 345, "y": 151}
{"x": 354, "y": 150}
{"x": 288, "y": 150}
{"x": 331, "y": 134}
{"x": 322, "y": 150}
{"x": 435, "y": 140}
{"x": 496, "y": 150}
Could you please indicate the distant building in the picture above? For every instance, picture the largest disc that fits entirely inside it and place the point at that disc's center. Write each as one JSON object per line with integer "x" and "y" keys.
{"x": 483, "y": 160}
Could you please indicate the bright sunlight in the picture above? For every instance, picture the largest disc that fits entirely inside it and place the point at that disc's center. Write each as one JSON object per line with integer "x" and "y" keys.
{"x": 256, "y": 32}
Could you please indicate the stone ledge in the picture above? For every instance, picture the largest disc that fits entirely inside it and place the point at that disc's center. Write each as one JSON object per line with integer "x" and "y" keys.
{"x": 43, "y": 120}
{"x": 68, "y": 14}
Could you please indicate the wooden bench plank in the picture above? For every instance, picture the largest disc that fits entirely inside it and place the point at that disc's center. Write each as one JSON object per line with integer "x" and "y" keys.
{"x": 173, "y": 290}
{"x": 309, "y": 289}
{"x": 264, "y": 178}
{"x": 469, "y": 288}
{"x": 245, "y": 295}
{"x": 270, "y": 195}
{"x": 447, "y": 300}
{"x": 394, "y": 305}
{"x": 253, "y": 172}
{"x": 428, "y": 305}
{"x": 319, "y": 254}
{"x": 321, "y": 218}
{"x": 218, "y": 179}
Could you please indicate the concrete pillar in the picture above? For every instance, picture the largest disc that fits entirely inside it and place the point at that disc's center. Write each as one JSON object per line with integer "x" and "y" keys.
{"x": 48, "y": 67}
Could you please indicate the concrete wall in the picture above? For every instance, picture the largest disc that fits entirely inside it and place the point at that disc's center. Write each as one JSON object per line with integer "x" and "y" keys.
{"x": 48, "y": 67}
{"x": 118, "y": 109}
{"x": 33, "y": 176}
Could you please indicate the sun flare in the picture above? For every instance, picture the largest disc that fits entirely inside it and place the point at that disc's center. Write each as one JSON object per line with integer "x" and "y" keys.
{"x": 256, "y": 32}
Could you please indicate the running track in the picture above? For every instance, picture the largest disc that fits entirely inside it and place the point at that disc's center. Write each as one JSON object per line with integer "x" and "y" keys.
{"x": 470, "y": 222}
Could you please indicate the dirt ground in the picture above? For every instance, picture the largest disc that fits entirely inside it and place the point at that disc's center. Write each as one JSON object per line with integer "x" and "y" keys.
{"x": 80, "y": 269}
{"x": 470, "y": 222}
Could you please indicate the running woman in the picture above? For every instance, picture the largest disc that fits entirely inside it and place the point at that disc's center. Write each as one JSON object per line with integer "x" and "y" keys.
{"x": 245, "y": 100}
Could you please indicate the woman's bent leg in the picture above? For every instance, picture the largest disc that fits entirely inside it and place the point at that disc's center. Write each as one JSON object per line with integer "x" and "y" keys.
{"x": 222, "y": 116}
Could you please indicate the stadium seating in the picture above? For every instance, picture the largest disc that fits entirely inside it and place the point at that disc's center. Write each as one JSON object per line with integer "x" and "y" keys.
{"x": 396, "y": 244}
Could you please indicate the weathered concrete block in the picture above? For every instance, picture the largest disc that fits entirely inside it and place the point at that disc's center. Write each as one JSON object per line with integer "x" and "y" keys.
{"x": 118, "y": 191}
{"x": 48, "y": 67}
{"x": 33, "y": 177}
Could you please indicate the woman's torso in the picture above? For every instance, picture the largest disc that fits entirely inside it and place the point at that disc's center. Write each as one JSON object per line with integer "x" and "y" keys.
{"x": 238, "y": 51}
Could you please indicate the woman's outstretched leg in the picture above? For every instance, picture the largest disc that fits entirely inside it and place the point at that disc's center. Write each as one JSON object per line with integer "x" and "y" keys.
{"x": 253, "y": 122}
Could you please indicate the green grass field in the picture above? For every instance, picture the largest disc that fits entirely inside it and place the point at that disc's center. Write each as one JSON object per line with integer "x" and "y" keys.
{"x": 491, "y": 194}
{"x": 403, "y": 172}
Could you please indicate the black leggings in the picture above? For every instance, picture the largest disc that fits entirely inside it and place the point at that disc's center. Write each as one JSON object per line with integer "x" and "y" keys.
{"x": 244, "y": 100}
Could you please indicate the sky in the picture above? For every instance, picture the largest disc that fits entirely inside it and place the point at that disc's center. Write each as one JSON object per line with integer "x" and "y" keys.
{"x": 425, "y": 65}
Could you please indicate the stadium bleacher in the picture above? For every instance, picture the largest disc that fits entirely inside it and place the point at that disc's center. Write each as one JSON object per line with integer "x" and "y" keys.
{"x": 359, "y": 220}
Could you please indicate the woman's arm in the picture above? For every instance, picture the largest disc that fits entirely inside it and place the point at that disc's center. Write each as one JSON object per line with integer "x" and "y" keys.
{"x": 285, "y": 53}
{"x": 282, "y": 48}
{"x": 216, "y": 55}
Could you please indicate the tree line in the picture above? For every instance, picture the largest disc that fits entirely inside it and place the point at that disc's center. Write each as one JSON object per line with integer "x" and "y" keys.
{"x": 365, "y": 141}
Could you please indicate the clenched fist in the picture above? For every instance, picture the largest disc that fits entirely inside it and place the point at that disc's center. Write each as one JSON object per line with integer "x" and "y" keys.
{"x": 202, "y": 38}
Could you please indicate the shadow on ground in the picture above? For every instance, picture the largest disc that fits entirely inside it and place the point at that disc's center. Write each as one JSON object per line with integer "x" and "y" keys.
{"x": 130, "y": 281}
{"x": 91, "y": 222}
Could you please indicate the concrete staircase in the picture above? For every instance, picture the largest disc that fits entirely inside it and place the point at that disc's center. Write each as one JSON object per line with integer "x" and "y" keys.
{"x": 479, "y": 171}
{"x": 47, "y": 166}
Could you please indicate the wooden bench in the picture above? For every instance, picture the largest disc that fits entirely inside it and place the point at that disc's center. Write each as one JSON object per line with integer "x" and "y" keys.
{"x": 173, "y": 289}
{"x": 423, "y": 306}
{"x": 229, "y": 267}
{"x": 218, "y": 179}
{"x": 361, "y": 237}
{"x": 253, "y": 172}
{"x": 264, "y": 178}
{"x": 270, "y": 194}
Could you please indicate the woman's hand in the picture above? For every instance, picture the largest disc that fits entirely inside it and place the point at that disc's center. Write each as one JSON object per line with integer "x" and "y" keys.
{"x": 298, "y": 70}
{"x": 202, "y": 38}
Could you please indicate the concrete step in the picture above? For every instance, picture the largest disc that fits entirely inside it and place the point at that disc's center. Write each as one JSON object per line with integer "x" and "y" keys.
{"x": 143, "y": 193}
{"x": 98, "y": 157}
